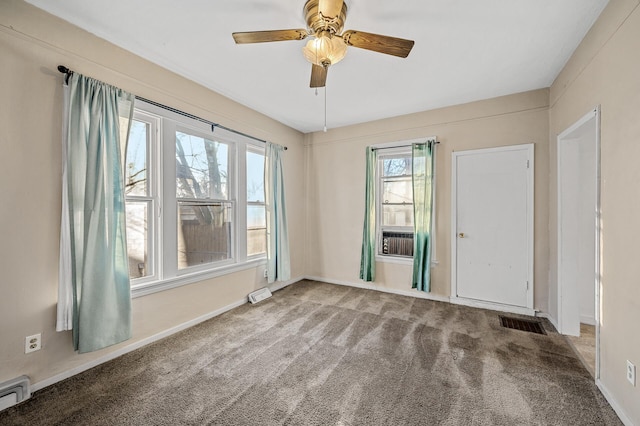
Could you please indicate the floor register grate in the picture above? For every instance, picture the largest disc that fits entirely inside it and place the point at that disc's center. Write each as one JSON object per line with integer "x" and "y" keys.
{"x": 522, "y": 325}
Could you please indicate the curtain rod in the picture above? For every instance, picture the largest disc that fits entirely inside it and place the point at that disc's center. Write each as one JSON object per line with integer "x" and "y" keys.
{"x": 69, "y": 73}
{"x": 399, "y": 146}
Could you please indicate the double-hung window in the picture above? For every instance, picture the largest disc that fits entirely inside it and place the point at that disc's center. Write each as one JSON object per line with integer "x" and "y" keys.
{"x": 141, "y": 194}
{"x": 256, "y": 213}
{"x": 195, "y": 200}
{"x": 395, "y": 203}
{"x": 203, "y": 203}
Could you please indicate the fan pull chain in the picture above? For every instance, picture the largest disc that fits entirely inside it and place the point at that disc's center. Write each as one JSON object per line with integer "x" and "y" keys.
{"x": 325, "y": 108}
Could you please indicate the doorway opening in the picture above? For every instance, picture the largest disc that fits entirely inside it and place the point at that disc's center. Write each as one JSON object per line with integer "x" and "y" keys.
{"x": 579, "y": 237}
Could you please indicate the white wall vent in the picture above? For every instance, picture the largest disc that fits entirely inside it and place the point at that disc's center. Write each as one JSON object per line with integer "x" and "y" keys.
{"x": 258, "y": 295}
{"x": 14, "y": 391}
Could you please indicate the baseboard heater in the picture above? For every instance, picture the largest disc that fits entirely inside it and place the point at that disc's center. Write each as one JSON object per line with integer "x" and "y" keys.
{"x": 14, "y": 391}
{"x": 258, "y": 295}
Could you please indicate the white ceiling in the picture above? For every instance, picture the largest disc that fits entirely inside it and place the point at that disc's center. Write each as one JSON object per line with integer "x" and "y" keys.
{"x": 465, "y": 50}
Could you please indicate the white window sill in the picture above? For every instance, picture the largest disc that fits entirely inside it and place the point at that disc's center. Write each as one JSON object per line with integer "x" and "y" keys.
{"x": 190, "y": 278}
{"x": 402, "y": 260}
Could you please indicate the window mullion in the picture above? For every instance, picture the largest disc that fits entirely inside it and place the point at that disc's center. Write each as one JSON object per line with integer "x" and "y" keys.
{"x": 169, "y": 201}
{"x": 241, "y": 212}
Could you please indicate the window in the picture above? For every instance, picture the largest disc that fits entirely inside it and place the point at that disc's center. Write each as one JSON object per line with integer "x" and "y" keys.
{"x": 141, "y": 195}
{"x": 205, "y": 214}
{"x": 256, "y": 212}
{"x": 394, "y": 198}
{"x": 194, "y": 200}
{"x": 395, "y": 203}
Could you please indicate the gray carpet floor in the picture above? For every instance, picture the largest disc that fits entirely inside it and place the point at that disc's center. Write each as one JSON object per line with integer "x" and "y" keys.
{"x": 321, "y": 354}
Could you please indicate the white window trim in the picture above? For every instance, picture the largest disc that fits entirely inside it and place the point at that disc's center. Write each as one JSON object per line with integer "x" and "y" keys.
{"x": 256, "y": 149}
{"x": 163, "y": 239}
{"x": 154, "y": 217}
{"x": 402, "y": 147}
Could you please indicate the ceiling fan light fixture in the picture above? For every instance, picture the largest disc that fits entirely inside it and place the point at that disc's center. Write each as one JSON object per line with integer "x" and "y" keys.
{"x": 325, "y": 49}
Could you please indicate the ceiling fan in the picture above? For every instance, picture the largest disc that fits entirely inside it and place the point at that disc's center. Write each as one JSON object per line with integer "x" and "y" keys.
{"x": 325, "y": 20}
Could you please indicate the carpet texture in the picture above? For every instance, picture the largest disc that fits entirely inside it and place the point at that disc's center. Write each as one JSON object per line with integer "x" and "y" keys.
{"x": 321, "y": 354}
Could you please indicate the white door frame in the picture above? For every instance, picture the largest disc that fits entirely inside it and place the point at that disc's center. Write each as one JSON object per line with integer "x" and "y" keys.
{"x": 528, "y": 310}
{"x": 593, "y": 114}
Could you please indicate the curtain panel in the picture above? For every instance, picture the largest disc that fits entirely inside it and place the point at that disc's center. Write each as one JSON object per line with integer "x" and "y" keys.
{"x": 368, "y": 253}
{"x": 278, "y": 261}
{"x": 422, "y": 180}
{"x": 94, "y": 296}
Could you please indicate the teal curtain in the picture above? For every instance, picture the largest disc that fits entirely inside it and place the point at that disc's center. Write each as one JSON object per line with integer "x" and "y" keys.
{"x": 368, "y": 254}
{"x": 93, "y": 241}
{"x": 422, "y": 159}
{"x": 278, "y": 262}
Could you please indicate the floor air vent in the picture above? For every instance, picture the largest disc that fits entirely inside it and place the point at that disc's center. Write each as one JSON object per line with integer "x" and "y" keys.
{"x": 258, "y": 295}
{"x": 522, "y": 325}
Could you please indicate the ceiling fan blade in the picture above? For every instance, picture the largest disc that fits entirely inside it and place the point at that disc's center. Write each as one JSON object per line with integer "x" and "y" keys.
{"x": 378, "y": 43}
{"x": 318, "y": 75}
{"x": 266, "y": 36}
{"x": 330, "y": 8}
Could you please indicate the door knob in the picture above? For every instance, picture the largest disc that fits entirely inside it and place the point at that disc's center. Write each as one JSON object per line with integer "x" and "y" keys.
{"x": 461, "y": 235}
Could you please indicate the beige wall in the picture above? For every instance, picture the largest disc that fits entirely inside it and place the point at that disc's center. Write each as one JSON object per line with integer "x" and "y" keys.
{"x": 605, "y": 71}
{"x": 324, "y": 177}
{"x": 32, "y": 44}
{"x": 336, "y": 184}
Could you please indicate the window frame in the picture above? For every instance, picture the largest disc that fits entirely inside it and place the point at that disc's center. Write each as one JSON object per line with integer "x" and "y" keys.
{"x": 153, "y": 197}
{"x": 260, "y": 150}
{"x": 164, "y": 233}
{"x": 172, "y": 199}
{"x": 386, "y": 153}
{"x": 393, "y": 149}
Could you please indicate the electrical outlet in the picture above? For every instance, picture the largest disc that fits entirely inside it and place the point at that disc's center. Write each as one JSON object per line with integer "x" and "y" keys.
{"x": 32, "y": 343}
{"x": 631, "y": 373}
{"x": 266, "y": 274}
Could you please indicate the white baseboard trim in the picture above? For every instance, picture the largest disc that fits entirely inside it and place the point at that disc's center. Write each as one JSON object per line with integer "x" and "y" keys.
{"x": 614, "y": 404}
{"x": 551, "y": 319}
{"x": 589, "y": 320}
{"x": 492, "y": 306}
{"x": 410, "y": 293}
{"x": 279, "y": 285}
{"x": 143, "y": 342}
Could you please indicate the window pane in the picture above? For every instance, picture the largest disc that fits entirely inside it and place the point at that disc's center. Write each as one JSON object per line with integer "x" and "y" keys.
{"x": 201, "y": 168}
{"x": 397, "y": 215}
{"x": 255, "y": 177}
{"x": 136, "y": 165}
{"x": 399, "y": 166}
{"x": 256, "y": 230}
{"x": 204, "y": 233}
{"x": 397, "y": 191}
{"x": 138, "y": 238}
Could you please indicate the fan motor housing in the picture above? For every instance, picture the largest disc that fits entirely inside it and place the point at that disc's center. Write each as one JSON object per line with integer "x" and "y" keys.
{"x": 318, "y": 22}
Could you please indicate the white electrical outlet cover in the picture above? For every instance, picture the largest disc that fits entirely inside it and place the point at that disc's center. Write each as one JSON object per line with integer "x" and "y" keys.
{"x": 631, "y": 373}
{"x": 32, "y": 343}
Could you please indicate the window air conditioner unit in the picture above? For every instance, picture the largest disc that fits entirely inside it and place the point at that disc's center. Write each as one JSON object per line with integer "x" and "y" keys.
{"x": 397, "y": 243}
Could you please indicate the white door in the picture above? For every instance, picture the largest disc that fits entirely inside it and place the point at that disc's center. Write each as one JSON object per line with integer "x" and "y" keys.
{"x": 493, "y": 223}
